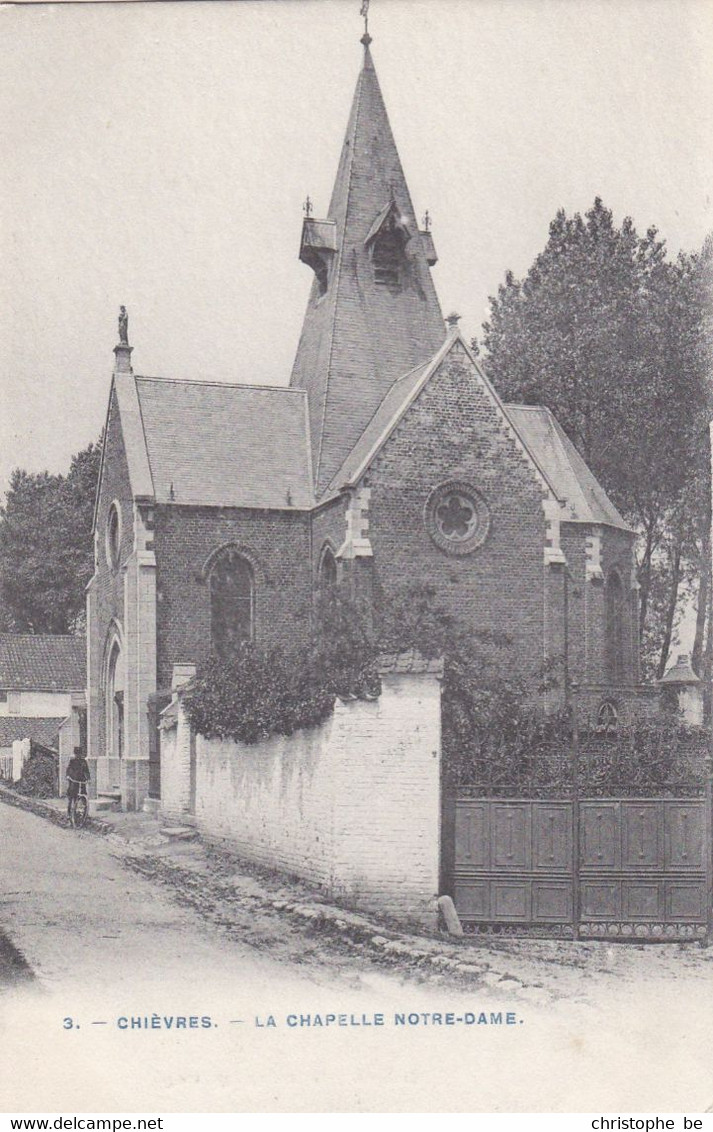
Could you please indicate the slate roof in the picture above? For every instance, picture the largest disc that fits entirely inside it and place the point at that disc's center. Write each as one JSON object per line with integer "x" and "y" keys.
{"x": 360, "y": 337}
{"x": 584, "y": 498}
{"x": 42, "y": 663}
{"x": 43, "y": 729}
{"x": 226, "y": 445}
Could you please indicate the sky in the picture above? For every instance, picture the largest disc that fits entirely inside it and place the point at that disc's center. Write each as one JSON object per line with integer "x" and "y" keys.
{"x": 158, "y": 155}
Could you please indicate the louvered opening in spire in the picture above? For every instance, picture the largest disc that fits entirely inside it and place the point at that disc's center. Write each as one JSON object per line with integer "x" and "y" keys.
{"x": 373, "y": 313}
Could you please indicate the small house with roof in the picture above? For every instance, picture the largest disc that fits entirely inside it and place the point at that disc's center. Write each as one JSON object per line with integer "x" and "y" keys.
{"x": 386, "y": 459}
{"x": 682, "y": 691}
{"x": 42, "y": 697}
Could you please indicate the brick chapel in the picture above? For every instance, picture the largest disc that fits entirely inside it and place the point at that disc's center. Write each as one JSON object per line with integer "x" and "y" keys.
{"x": 389, "y": 456}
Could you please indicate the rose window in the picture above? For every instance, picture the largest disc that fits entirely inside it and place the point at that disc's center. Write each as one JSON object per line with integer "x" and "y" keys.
{"x": 457, "y": 518}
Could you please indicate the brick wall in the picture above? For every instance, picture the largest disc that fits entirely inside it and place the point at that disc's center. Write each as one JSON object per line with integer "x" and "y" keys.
{"x": 277, "y": 543}
{"x": 352, "y": 806}
{"x": 454, "y": 432}
{"x": 587, "y": 605}
{"x": 617, "y": 551}
{"x": 579, "y": 628}
{"x": 635, "y": 701}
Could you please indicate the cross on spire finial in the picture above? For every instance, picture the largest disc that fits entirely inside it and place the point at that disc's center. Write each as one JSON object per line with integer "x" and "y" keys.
{"x": 364, "y": 11}
{"x": 308, "y": 207}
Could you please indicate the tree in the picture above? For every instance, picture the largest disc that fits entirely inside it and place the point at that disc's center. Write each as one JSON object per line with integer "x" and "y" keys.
{"x": 46, "y": 554}
{"x": 608, "y": 333}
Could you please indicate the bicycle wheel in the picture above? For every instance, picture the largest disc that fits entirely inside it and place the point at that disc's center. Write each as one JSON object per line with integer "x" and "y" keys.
{"x": 80, "y": 812}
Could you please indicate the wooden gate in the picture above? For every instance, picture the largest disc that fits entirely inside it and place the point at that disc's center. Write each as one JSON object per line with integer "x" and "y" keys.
{"x": 590, "y": 867}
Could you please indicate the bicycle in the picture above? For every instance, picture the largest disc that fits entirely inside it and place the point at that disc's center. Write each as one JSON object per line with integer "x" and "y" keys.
{"x": 79, "y": 806}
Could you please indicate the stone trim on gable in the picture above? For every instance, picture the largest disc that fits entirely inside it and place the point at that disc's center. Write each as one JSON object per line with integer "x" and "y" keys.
{"x": 553, "y": 553}
{"x": 593, "y": 551}
{"x": 356, "y": 543}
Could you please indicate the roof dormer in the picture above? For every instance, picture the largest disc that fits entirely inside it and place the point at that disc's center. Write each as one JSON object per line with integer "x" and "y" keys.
{"x": 386, "y": 243}
{"x": 318, "y": 246}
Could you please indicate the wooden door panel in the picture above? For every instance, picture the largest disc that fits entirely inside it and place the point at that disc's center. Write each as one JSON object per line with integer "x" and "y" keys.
{"x": 551, "y": 901}
{"x": 642, "y": 835}
{"x": 472, "y": 899}
{"x": 552, "y": 836}
{"x": 511, "y": 901}
{"x": 601, "y": 900}
{"x": 684, "y": 835}
{"x": 473, "y": 835}
{"x": 685, "y": 901}
{"x": 642, "y": 900}
{"x": 600, "y": 836}
{"x": 510, "y": 824}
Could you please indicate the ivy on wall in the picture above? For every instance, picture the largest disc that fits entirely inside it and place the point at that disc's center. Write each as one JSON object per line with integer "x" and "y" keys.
{"x": 39, "y": 774}
{"x": 494, "y": 735}
{"x": 261, "y": 692}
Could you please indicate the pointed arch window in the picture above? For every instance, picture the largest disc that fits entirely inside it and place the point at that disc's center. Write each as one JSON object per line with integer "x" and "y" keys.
{"x": 615, "y": 620}
{"x": 115, "y": 702}
{"x": 232, "y": 601}
{"x": 327, "y": 570}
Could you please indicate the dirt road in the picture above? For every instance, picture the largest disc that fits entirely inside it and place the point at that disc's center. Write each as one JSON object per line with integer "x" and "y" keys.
{"x": 124, "y": 957}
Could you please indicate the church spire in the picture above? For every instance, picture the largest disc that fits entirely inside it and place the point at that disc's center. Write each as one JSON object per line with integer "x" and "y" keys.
{"x": 373, "y": 313}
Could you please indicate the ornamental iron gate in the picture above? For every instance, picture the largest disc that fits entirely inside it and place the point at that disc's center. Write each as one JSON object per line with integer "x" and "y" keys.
{"x": 600, "y": 867}
{"x": 584, "y": 836}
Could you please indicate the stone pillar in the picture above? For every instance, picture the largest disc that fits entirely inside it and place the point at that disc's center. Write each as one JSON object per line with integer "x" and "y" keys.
{"x": 20, "y": 752}
{"x": 555, "y": 587}
{"x": 139, "y": 658}
{"x": 176, "y": 749}
{"x": 594, "y": 610}
{"x": 555, "y": 582}
{"x": 93, "y": 675}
